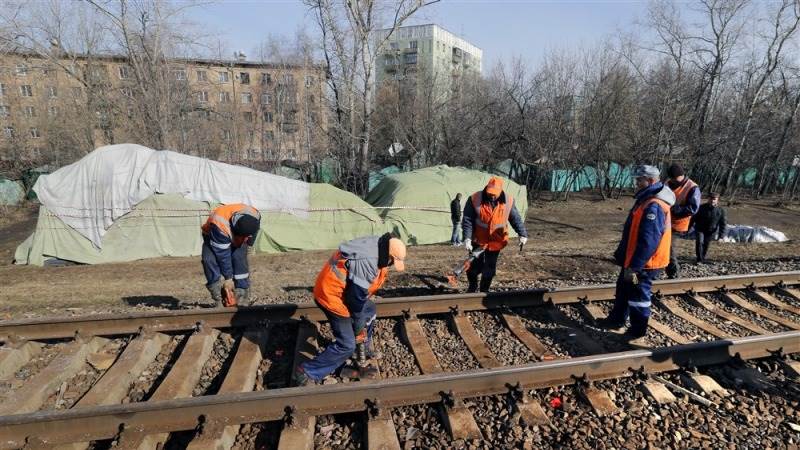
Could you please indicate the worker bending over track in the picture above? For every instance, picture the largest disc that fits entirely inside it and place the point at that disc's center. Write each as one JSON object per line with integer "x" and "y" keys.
{"x": 643, "y": 252}
{"x": 343, "y": 290}
{"x": 226, "y": 235}
{"x": 487, "y": 215}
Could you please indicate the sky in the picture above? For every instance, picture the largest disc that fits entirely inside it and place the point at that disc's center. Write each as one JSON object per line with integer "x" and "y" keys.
{"x": 503, "y": 29}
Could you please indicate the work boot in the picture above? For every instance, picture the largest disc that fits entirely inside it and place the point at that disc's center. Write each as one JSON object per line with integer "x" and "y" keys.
{"x": 300, "y": 378}
{"x": 215, "y": 289}
{"x": 473, "y": 284}
{"x": 485, "y": 283}
{"x": 633, "y": 335}
{"x": 608, "y": 324}
{"x": 242, "y": 296}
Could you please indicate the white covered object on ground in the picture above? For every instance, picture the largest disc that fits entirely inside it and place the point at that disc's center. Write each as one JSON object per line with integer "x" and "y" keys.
{"x": 758, "y": 234}
{"x": 90, "y": 194}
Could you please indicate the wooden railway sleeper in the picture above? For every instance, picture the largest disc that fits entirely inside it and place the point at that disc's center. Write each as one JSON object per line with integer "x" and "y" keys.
{"x": 525, "y": 407}
{"x": 790, "y": 366}
{"x": 208, "y": 428}
{"x": 598, "y": 399}
{"x": 655, "y": 389}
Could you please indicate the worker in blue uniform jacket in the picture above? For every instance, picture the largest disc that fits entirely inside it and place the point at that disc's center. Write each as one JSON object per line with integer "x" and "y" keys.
{"x": 643, "y": 252}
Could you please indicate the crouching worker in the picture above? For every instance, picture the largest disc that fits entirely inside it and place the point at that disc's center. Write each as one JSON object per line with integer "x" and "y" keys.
{"x": 227, "y": 233}
{"x": 343, "y": 290}
{"x": 643, "y": 252}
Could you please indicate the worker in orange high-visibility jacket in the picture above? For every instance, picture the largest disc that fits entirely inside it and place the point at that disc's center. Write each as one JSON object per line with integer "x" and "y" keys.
{"x": 343, "y": 289}
{"x": 227, "y": 233}
{"x": 642, "y": 253}
{"x": 687, "y": 203}
{"x": 487, "y": 216}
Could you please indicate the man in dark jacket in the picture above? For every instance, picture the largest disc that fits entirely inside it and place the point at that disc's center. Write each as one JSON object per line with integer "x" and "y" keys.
{"x": 455, "y": 217}
{"x": 709, "y": 221}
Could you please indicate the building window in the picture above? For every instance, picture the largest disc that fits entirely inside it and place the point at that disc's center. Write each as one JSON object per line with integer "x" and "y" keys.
{"x": 202, "y": 75}
{"x": 309, "y": 80}
{"x": 48, "y": 71}
{"x": 244, "y": 77}
{"x": 4, "y": 111}
{"x": 410, "y": 58}
{"x": 247, "y": 116}
{"x": 247, "y": 98}
{"x": 288, "y": 78}
{"x": 179, "y": 74}
{"x": 250, "y": 135}
{"x": 269, "y": 135}
{"x": 127, "y": 92}
{"x": 2, "y": 90}
{"x": 266, "y": 99}
{"x": 226, "y": 135}
{"x": 22, "y": 70}
{"x": 202, "y": 96}
{"x": 9, "y": 132}
{"x": 224, "y": 77}
{"x": 394, "y": 45}
{"x": 311, "y": 99}
{"x": 266, "y": 78}
{"x": 52, "y": 92}
{"x": 35, "y": 133}
{"x": 412, "y": 44}
{"x": 30, "y": 111}
{"x": 52, "y": 111}
{"x": 124, "y": 72}
{"x": 25, "y": 90}
{"x": 224, "y": 97}
{"x": 268, "y": 116}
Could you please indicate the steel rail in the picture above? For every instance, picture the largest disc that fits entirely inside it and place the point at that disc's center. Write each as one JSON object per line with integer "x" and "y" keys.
{"x": 46, "y": 428}
{"x": 183, "y": 320}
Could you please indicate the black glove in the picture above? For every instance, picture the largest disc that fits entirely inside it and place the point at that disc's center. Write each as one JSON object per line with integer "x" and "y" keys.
{"x": 630, "y": 276}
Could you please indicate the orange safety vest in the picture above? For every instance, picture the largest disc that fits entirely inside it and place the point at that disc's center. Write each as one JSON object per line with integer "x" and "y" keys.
{"x": 331, "y": 281}
{"x": 221, "y": 217}
{"x": 681, "y": 224}
{"x": 490, "y": 228}
{"x": 660, "y": 258}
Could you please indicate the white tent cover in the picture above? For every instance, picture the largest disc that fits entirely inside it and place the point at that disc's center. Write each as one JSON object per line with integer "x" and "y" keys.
{"x": 90, "y": 194}
{"x": 757, "y": 234}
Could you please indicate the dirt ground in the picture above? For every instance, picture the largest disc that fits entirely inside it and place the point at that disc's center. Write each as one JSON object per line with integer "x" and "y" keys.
{"x": 570, "y": 243}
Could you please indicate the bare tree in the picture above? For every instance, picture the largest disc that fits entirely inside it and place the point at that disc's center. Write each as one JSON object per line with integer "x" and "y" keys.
{"x": 347, "y": 30}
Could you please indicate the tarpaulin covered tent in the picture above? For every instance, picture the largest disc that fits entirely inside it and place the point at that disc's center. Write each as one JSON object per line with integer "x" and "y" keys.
{"x": 416, "y": 205}
{"x": 127, "y": 202}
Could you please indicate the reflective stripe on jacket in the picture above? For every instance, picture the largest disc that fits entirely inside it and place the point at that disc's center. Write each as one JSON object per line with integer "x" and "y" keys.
{"x": 660, "y": 257}
{"x": 490, "y": 228}
{"x": 682, "y": 196}
{"x": 222, "y": 218}
{"x": 355, "y": 261}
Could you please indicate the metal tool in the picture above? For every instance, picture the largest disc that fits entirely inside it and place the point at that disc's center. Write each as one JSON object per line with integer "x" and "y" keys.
{"x": 452, "y": 277}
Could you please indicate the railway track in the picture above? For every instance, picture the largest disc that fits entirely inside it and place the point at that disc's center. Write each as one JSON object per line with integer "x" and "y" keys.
{"x": 191, "y": 378}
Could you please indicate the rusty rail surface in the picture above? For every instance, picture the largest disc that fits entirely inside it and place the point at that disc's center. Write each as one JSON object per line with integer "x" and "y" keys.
{"x": 47, "y": 428}
{"x": 184, "y": 320}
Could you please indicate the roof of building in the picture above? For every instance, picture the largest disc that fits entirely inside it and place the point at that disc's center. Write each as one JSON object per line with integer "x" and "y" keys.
{"x": 198, "y": 61}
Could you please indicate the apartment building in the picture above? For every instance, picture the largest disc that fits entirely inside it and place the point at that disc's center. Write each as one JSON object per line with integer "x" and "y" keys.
{"x": 428, "y": 50}
{"x": 234, "y": 110}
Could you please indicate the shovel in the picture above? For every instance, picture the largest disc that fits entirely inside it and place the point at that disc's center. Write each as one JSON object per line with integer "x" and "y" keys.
{"x": 452, "y": 277}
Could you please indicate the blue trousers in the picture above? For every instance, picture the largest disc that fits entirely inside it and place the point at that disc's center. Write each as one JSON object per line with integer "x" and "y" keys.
{"x": 344, "y": 332}
{"x": 241, "y": 271}
{"x": 455, "y": 238}
{"x": 634, "y": 300}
